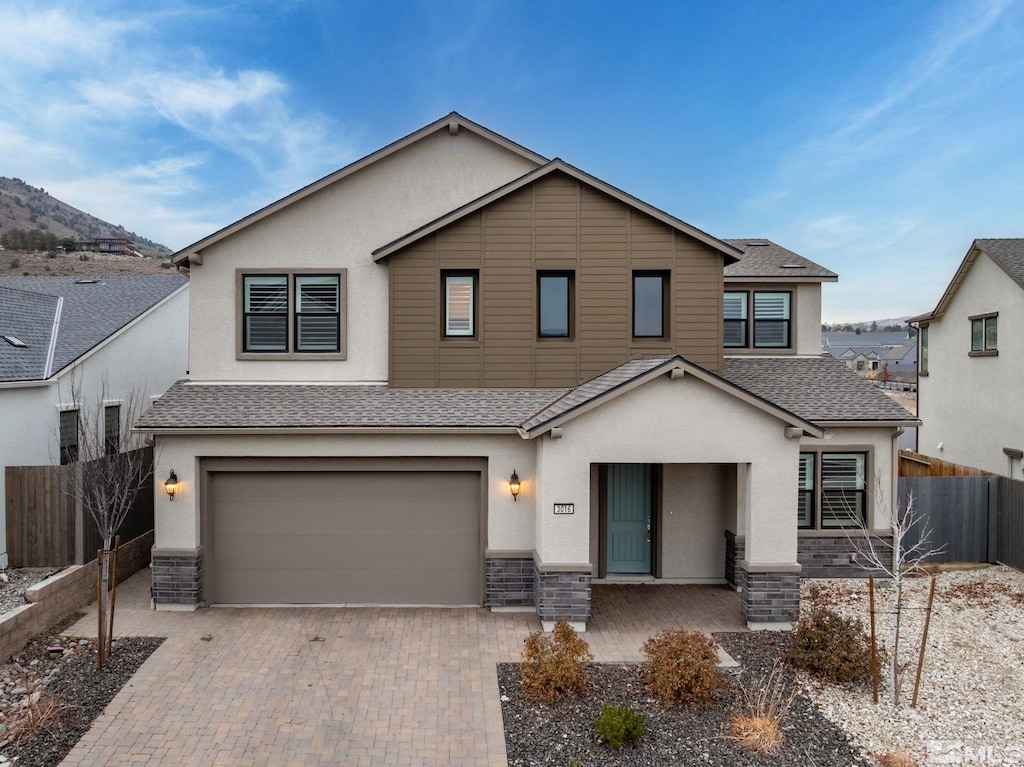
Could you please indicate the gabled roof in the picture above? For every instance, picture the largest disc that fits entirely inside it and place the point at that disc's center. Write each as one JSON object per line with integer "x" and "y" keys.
{"x": 61, "y": 318}
{"x": 820, "y": 389}
{"x": 763, "y": 258}
{"x": 452, "y": 122}
{"x": 556, "y": 166}
{"x": 1008, "y": 253}
{"x": 634, "y": 373}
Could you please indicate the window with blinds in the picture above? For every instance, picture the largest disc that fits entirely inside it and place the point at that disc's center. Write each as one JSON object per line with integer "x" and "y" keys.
{"x": 317, "y": 313}
{"x": 771, "y": 320}
{"x": 265, "y": 313}
{"x": 832, "y": 491}
{"x": 292, "y": 313}
{"x": 460, "y": 304}
{"x": 734, "y": 328}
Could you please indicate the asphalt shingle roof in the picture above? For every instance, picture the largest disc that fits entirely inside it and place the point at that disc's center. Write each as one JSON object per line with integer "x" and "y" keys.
{"x": 764, "y": 258}
{"x": 91, "y": 313}
{"x": 310, "y": 406}
{"x": 814, "y": 388}
{"x": 1008, "y": 253}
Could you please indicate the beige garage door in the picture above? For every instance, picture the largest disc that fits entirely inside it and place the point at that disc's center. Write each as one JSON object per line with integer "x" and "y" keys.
{"x": 345, "y": 537}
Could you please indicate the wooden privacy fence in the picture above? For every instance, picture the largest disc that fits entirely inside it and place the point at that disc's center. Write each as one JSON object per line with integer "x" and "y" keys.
{"x": 40, "y": 516}
{"x": 977, "y": 518}
{"x": 918, "y": 465}
{"x": 45, "y": 528}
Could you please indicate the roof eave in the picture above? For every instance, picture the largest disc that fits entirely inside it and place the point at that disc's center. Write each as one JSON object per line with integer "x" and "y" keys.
{"x": 868, "y": 423}
{"x": 181, "y": 258}
{"x": 779, "y": 278}
{"x": 182, "y": 431}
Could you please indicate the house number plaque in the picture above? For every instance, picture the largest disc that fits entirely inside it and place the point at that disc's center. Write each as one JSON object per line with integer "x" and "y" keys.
{"x": 564, "y": 508}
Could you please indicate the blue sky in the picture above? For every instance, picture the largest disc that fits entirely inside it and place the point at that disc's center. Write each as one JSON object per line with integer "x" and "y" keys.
{"x": 877, "y": 138}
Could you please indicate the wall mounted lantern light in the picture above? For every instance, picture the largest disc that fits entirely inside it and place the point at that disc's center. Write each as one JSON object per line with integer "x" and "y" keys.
{"x": 171, "y": 485}
{"x": 513, "y": 485}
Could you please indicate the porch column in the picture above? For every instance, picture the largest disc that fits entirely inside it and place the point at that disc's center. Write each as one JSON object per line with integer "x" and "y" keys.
{"x": 177, "y": 557}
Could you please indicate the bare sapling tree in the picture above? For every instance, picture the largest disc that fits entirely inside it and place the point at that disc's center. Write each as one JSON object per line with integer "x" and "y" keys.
{"x": 111, "y": 469}
{"x": 909, "y": 548}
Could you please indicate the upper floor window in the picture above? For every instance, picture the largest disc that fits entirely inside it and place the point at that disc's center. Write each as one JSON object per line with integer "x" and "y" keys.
{"x": 112, "y": 429}
{"x": 984, "y": 334}
{"x": 771, "y": 312}
{"x": 460, "y": 300}
{"x": 832, "y": 491}
{"x": 292, "y": 313}
{"x": 650, "y": 304}
{"x": 923, "y": 362}
{"x": 554, "y": 304}
{"x": 68, "y": 436}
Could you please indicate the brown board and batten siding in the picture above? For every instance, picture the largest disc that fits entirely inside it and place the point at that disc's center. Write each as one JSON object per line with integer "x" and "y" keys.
{"x": 556, "y": 223}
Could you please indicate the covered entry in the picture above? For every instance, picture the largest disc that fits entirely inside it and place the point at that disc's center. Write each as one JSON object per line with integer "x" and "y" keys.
{"x": 344, "y": 537}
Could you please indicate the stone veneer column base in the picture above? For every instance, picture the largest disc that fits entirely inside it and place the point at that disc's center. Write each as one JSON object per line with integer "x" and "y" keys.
{"x": 771, "y": 595}
{"x": 735, "y": 551}
{"x": 509, "y": 580}
{"x": 562, "y": 593}
{"x": 177, "y": 578}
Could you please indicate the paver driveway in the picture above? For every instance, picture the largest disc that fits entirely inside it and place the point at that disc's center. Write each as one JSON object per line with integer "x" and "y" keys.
{"x": 369, "y": 686}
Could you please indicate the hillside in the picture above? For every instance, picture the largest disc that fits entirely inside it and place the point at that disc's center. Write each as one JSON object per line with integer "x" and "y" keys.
{"x": 20, "y": 263}
{"x": 27, "y": 207}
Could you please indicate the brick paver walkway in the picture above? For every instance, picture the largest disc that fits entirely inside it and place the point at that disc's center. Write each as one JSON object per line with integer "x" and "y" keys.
{"x": 370, "y": 686}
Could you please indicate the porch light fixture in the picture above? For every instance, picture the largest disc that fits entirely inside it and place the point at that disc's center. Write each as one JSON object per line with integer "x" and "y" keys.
{"x": 171, "y": 485}
{"x": 513, "y": 485}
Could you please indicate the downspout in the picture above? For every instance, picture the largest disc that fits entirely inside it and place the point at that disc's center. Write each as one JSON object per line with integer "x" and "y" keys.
{"x": 48, "y": 369}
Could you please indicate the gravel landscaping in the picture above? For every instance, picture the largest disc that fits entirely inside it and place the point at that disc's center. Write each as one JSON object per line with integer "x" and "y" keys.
{"x": 971, "y": 704}
{"x": 542, "y": 734}
{"x": 51, "y": 691}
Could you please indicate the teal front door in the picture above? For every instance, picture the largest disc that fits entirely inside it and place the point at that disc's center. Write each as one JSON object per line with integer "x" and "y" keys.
{"x": 630, "y": 502}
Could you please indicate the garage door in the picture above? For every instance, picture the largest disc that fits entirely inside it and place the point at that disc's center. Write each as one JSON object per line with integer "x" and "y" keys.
{"x": 345, "y": 537}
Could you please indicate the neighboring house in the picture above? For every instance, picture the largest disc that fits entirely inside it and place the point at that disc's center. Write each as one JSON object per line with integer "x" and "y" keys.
{"x": 895, "y": 352}
{"x": 101, "y": 337}
{"x": 970, "y": 378}
{"x": 109, "y": 245}
{"x": 456, "y": 372}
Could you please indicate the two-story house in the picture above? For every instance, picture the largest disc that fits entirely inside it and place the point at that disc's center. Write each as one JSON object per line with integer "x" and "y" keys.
{"x": 969, "y": 372}
{"x": 455, "y": 372}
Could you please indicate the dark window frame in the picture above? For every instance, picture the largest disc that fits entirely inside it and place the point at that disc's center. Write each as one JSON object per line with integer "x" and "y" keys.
{"x": 68, "y": 435}
{"x": 292, "y": 346}
{"x": 474, "y": 299}
{"x": 112, "y": 436}
{"x": 750, "y": 321}
{"x": 819, "y": 492}
{"x": 570, "y": 301}
{"x": 665, "y": 276}
{"x": 743, "y": 322}
{"x": 982, "y": 346}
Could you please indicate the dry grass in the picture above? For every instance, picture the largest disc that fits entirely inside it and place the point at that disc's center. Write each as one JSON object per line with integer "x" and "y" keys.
{"x": 895, "y": 759}
{"x": 757, "y": 728}
{"x": 47, "y": 713}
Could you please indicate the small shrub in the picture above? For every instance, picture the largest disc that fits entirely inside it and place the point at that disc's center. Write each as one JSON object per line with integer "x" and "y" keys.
{"x": 681, "y": 667}
{"x": 165, "y": 264}
{"x": 40, "y": 712}
{"x": 15, "y": 263}
{"x": 765, "y": 705}
{"x": 83, "y": 257}
{"x": 555, "y": 666}
{"x": 830, "y": 647}
{"x": 618, "y": 725}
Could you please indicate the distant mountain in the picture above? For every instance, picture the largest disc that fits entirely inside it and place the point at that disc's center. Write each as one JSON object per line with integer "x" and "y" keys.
{"x": 26, "y": 207}
{"x": 889, "y": 325}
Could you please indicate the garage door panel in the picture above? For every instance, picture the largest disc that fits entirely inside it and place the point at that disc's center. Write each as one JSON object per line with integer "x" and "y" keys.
{"x": 345, "y": 537}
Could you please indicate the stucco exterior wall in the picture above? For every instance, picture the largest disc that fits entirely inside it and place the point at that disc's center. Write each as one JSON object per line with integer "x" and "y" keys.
{"x": 669, "y": 421}
{"x": 971, "y": 405}
{"x": 695, "y": 515}
{"x": 808, "y": 318}
{"x": 146, "y": 357}
{"x": 339, "y": 227}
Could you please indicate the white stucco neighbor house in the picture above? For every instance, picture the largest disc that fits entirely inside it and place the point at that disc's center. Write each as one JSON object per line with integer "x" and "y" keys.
{"x": 971, "y": 362}
{"x": 65, "y": 344}
{"x": 456, "y": 372}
